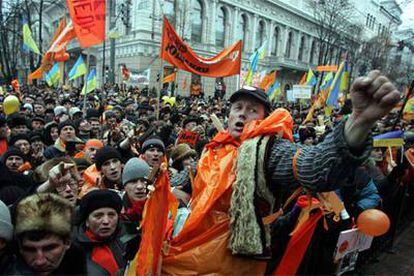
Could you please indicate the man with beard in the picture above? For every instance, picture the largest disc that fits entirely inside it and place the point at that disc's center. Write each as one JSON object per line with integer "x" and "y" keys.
{"x": 153, "y": 151}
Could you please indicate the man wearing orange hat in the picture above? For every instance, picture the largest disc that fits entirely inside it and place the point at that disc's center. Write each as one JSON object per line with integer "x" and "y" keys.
{"x": 89, "y": 151}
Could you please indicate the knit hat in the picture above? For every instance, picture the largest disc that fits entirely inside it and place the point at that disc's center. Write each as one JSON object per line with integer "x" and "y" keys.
{"x": 15, "y": 120}
{"x": 98, "y": 199}
{"x": 38, "y": 119}
{"x": 153, "y": 142}
{"x": 44, "y": 212}
{"x": 6, "y": 227}
{"x": 181, "y": 152}
{"x": 134, "y": 169}
{"x": 104, "y": 154}
{"x": 18, "y": 137}
{"x": 66, "y": 123}
{"x": 12, "y": 151}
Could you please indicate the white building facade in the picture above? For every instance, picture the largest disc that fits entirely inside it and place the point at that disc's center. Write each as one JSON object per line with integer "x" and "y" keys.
{"x": 208, "y": 26}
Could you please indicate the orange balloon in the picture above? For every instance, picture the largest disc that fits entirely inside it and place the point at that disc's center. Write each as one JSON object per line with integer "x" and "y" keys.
{"x": 373, "y": 222}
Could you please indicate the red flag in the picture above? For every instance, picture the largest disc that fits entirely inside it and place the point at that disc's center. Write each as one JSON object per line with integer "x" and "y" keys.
{"x": 88, "y": 18}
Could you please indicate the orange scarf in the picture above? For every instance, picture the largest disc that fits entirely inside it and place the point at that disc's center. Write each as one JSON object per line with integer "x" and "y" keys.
{"x": 103, "y": 256}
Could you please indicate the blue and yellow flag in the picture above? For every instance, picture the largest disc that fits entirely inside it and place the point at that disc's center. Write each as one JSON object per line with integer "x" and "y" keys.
{"x": 254, "y": 59}
{"x": 310, "y": 78}
{"x": 338, "y": 83}
{"x": 28, "y": 40}
{"x": 274, "y": 91}
{"x": 78, "y": 69}
{"x": 53, "y": 76}
{"x": 90, "y": 84}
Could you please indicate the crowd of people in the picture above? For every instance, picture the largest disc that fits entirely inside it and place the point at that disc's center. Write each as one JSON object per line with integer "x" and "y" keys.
{"x": 76, "y": 172}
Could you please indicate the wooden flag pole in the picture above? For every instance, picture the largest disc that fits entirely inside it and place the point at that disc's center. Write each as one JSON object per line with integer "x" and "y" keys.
{"x": 86, "y": 81}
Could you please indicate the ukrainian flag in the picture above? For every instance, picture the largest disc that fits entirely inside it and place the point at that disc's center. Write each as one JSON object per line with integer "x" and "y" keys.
{"x": 274, "y": 91}
{"x": 254, "y": 62}
{"x": 78, "y": 69}
{"x": 90, "y": 83}
{"x": 337, "y": 84}
{"x": 28, "y": 40}
{"x": 311, "y": 79}
{"x": 53, "y": 76}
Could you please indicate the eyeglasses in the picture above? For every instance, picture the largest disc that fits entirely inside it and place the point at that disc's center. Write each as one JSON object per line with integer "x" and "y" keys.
{"x": 72, "y": 183}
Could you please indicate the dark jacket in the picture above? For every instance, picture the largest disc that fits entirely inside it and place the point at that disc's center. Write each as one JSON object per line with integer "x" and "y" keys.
{"x": 88, "y": 245}
{"x": 73, "y": 263}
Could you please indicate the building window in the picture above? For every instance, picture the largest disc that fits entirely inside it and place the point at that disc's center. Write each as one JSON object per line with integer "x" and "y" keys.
{"x": 242, "y": 29}
{"x": 312, "y": 52}
{"x": 289, "y": 45}
{"x": 220, "y": 27}
{"x": 275, "y": 41}
{"x": 301, "y": 48}
{"x": 260, "y": 34}
{"x": 197, "y": 21}
{"x": 367, "y": 21}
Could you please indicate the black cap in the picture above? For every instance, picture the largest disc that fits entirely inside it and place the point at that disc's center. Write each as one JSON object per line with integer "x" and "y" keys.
{"x": 254, "y": 92}
{"x": 97, "y": 199}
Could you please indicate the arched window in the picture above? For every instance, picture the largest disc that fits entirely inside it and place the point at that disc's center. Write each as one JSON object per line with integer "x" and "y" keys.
{"x": 242, "y": 29}
{"x": 220, "y": 27}
{"x": 260, "y": 34}
{"x": 275, "y": 41}
{"x": 197, "y": 21}
{"x": 289, "y": 45}
{"x": 301, "y": 48}
{"x": 312, "y": 52}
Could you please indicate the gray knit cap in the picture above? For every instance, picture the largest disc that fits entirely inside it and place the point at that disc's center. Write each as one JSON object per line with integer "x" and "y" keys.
{"x": 6, "y": 228}
{"x": 134, "y": 169}
{"x": 153, "y": 142}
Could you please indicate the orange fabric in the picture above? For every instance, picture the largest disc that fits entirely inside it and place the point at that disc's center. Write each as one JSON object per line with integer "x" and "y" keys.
{"x": 3, "y": 146}
{"x": 203, "y": 241}
{"x": 327, "y": 68}
{"x": 187, "y": 137}
{"x": 297, "y": 246}
{"x": 103, "y": 256}
{"x": 169, "y": 78}
{"x": 154, "y": 227}
{"x": 88, "y": 17}
{"x": 80, "y": 154}
{"x": 295, "y": 164}
{"x": 303, "y": 79}
{"x": 37, "y": 74}
{"x": 268, "y": 81}
{"x": 179, "y": 54}
{"x": 91, "y": 176}
{"x": 96, "y": 143}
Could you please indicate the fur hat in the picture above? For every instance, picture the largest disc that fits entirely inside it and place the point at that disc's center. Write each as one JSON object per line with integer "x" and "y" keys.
{"x": 18, "y": 137}
{"x": 64, "y": 124}
{"x": 104, "y": 154}
{"x": 44, "y": 212}
{"x": 134, "y": 169}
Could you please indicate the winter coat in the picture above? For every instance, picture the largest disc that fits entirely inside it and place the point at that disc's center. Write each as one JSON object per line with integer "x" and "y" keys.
{"x": 116, "y": 246}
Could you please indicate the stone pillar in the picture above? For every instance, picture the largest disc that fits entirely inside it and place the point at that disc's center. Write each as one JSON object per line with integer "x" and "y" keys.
{"x": 269, "y": 38}
{"x": 253, "y": 33}
{"x": 209, "y": 24}
{"x": 235, "y": 25}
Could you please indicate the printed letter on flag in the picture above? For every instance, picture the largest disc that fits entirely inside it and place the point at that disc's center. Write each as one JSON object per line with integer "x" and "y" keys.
{"x": 179, "y": 54}
{"x": 88, "y": 18}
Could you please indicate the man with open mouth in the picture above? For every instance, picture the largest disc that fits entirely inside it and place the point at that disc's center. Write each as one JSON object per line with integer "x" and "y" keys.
{"x": 153, "y": 150}
{"x": 248, "y": 172}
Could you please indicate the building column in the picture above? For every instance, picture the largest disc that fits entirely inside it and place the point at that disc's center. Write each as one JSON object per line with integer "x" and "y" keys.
{"x": 209, "y": 25}
{"x": 253, "y": 35}
{"x": 234, "y": 24}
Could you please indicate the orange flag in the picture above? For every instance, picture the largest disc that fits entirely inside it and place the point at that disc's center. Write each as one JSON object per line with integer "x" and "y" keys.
{"x": 88, "y": 18}
{"x": 169, "y": 78}
{"x": 268, "y": 81}
{"x": 154, "y": 228}
{"x": 179, "y": 54}
{"x": 303, "y": 79}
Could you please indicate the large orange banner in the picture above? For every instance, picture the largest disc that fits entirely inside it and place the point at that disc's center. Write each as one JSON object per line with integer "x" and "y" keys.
{"x": 179, "y": 54}
{"x": 88, "y": 17}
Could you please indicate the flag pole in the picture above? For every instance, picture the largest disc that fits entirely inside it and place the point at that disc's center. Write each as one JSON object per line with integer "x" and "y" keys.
{"x": 160, "y": 87}
{"x": 86, "y": 80}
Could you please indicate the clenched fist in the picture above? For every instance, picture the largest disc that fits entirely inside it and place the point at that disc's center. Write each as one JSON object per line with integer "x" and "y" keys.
{"x": 373, "y": 97}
